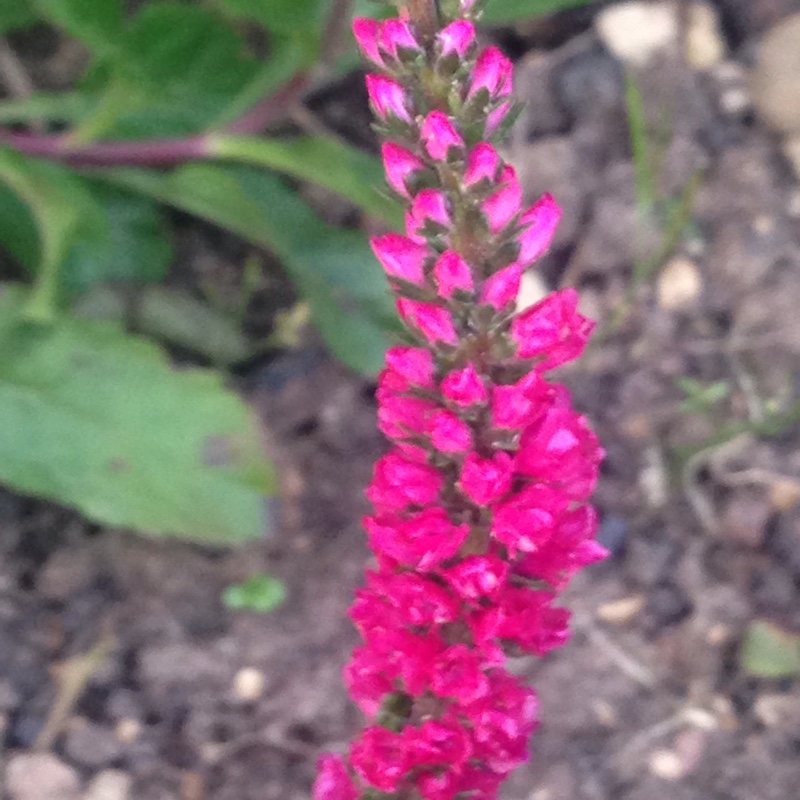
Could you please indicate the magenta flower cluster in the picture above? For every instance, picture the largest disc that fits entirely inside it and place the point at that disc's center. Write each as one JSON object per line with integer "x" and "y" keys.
{"x": 480, "y": 511}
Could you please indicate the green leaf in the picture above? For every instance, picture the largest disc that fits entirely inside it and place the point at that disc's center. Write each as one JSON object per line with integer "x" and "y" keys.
{"x": 73, "y": 232}
{"x": 178, "y": 66}
{"x": 60, "y": 205}
{"x": 338, "y": 167}
{"x": 770, "y": 652}
{"x": 260, "y": 592}
{"x": 288, "y": 57}
{"x": 98, "y": 23}
{"x": 171, "y": 315}
{"x": 284, "y": 16}
{"x": 15, "y": 15}
{"x": 132, "y": 244}
{"x": 98, "y": 419}
{"x": 501, "y": 12}
{"x": 334, "y": 269}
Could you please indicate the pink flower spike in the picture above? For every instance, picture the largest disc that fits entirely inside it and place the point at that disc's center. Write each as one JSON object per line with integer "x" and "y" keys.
{"x": 395, "y": 35}
{"x": 366, "y": 32}
{"x": 400, "y": 166}
{"x": 478, "y": 577}
{"x": 452, "y": 274}
{"x": 501, "y": 289}
{"x": 493, "y": 72}
{"x": 483, "y": 163}
{"x": 380, "y": 758}
{"x": 429, "y": 206}
{"x": 415, "y": 364}
{"x": 456, "y": 39}
{"x": 464, "y": 387}
{"x": 401, "y": 257}
{"x": 501, "y": 207}
{"x": 434, "y": 322}
{"x": 439, "y": 136}
{"x": 484, "y": 480}
{"x": 449, "y": 433}
{"x": 333, "y": 781}
{"x": 388, "y": 98}
{"x": 552, "y": 328}
{"x": 398, "y": 483}
{"x": 540, "y": 222}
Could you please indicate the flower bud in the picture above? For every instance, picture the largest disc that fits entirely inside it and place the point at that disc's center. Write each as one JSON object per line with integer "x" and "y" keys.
{"x": 366, "y": 31}
{"x": 432, "y": 321}
{"x": 452, "y": 274}
{"x": 440, "y": 136}
{"x": 503, "y": 206}
{"x": 540, "y": 222}
{"x": 501, "y": 289}
{"x": 401, "y": 166}
{"x": 401, "y": 257}
{"x": 429, "y": 211}
{"x": 388, "y": 98}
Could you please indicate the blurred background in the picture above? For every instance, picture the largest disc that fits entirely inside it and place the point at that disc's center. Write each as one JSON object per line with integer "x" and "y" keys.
{"x": 191, "y": 322}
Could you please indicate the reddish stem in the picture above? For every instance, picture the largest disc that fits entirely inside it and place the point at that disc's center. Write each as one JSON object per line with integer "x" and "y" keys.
{"x": 151, "y": 152}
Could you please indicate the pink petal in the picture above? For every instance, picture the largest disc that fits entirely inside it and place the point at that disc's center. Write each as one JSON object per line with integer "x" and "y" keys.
{"x": 366, "y": 32}
{"x": 501, "y": 289}
{"x": 452, "y": 274}
{"x": 434, "y": 322}
{"x": 400, "y": 257}
{"x": 540, "y": 222}
{"x": 502, "y": 207}
{"x": 456, "y": 38}
{"x": 493, "y": 72}
{"x": 439, "y": 135}
{"x": 483, "y": 163}
{"x": 400, "y": 166}
{"x": 388, "y": 98}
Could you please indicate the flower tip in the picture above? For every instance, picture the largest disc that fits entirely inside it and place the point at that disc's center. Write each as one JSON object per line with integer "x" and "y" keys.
{"x": 366, "y": 31}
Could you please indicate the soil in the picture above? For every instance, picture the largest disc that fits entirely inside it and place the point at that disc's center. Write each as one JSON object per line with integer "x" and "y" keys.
{"x": 650, "y": 700}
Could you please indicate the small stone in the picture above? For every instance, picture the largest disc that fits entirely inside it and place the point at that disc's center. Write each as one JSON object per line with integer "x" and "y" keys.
{"x": 705, "y": 46}
{"x": 690, "y": 746}
{"x": 679, "y": 285}
{"x": 111, "y": 784}
{"x": 622, "y": 611}
{"x": 248, "y": 684}
{"x": 636, "y": 32}
{"x": 127, "y": 730}
{"x": 92, "y": 745}
{"x": 666, "y": 764}
{"x": 780, "y": 711}
{"x": 784, "y": 494}
{"x": 776, "y": 77}
{"x": 40, "y": 776}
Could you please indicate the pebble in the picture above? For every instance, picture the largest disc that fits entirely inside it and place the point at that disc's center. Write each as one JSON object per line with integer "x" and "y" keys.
{"x": 784, "y": 494}
{"x": 666, "y": 764}
{"x": 111, "y": 784}
{"x": 679, "y": 285}
{"x": 40, "y": 776}
{"x": 622, "y": 611}
{"x": 248, "y": 684}
{"x": 776, "y": 78}
{"x": 781, "y": 711}
{"x": 92, "y": 745}
{"x": 705, "y": 45}
{"x": 637, "y": 32}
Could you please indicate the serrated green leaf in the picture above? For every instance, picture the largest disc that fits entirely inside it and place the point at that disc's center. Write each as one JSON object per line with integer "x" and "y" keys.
{"x": 16, "y": 15}
{"x": 502, "y": 12}
{"x": 98, "y": 419}
{"x": 334, "y": 269}
{"x": 97, "y": 23}
{"x": 770, "y": 652}
{"x": 336, "y": 166}
{"x": 260, "y": 592}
